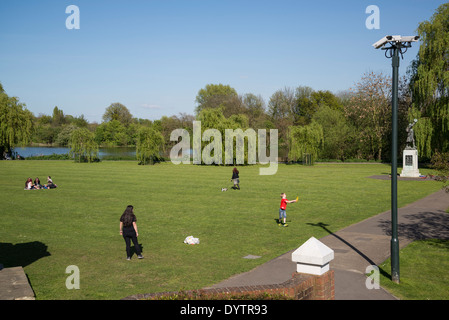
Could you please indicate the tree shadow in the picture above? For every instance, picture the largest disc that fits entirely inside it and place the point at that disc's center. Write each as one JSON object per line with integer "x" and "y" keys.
{"x": 421, "y": 226}
{"x": 324, "y": 226}
{"x": 22, "y": 254}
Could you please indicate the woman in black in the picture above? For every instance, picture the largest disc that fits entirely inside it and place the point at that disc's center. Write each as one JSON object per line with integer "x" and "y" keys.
{"x": 235, "y": 178}
{"x": 128, "y": 228}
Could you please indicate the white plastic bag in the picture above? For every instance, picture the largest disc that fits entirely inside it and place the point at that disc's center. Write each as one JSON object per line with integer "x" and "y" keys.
{"x": 191, "y": 240}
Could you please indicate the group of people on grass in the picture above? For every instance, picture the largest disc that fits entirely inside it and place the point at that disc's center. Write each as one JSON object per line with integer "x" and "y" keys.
{"x": 36, "y": 184}
{"x": 128, "y": 220}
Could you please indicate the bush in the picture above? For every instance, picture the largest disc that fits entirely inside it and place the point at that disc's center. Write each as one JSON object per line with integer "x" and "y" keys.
{"x": 53, "y": 156}
{"x": 440, "y": 162}
{"x": 153, "y": 159}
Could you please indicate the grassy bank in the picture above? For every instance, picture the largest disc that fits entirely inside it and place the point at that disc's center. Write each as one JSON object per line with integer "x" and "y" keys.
{"x": 423, "y": 269}
{"x": 77, "y": 224}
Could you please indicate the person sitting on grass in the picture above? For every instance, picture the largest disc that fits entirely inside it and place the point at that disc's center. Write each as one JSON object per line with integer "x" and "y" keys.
{"x": 50, "y": 184}
{"x": 37, "y": 184}
{"x": 29, "y": 184}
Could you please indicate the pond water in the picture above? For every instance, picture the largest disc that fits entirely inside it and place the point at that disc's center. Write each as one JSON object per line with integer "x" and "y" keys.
{"x": 46, "y": 151}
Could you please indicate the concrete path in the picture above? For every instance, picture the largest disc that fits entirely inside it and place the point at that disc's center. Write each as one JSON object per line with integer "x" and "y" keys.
{"x": 14, "y": 285}
{"x": 361, "y": 245}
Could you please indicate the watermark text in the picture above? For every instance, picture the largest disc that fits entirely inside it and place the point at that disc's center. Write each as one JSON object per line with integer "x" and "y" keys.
{"x": 212, "y": 153}
{"x": 73, "y": 280}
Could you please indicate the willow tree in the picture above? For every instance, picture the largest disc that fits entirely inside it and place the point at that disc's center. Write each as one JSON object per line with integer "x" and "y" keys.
{"x": 430, "y": 82}
{"x": 338, "y": 133}
{"x": 218, "y": 134}
{"x": 83, "y": 146}
{"x": 15, "y": 123}
{"x": 149, "y": 144}
{"x": 305, "y": 140}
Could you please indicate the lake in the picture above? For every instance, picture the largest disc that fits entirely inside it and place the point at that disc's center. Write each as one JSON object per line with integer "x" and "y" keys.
{"x": 46, "y": 151}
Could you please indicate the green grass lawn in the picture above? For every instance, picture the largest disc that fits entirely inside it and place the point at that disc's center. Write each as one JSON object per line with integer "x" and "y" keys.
{"x": 78, "y": 223}
{"x": 423, "y": 271}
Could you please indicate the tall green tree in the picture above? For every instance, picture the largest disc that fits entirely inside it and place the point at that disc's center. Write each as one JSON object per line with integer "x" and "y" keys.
{"x": 63, "y": 138}
{"x": 167, "y": 125}
{"x": 83, "y": 146}
{"x": 304, "y": 107}
{"x": 308, "y": 101}
{"x": 80, "y": 121}
{"x": 338, "y": 134}
{"x": 215, "y": 119}
{"x": 15, "y": 123}
{"x": 430, "y": 80}
{"x": 117, "y": 111}
{"x": 149, "y": 145}
{"x": 58, "y": 118}
{"x": 305, "y": 140}
{"x": 219, "y": 96}
{"x": 111, "y": 133}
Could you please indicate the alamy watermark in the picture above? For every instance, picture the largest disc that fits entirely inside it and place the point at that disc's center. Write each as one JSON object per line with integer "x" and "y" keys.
{"x": 73, "y": 20}
{"x": 373, "y": 280}
{"x": 373, "y": 20}
{"x": 73, "y": 280}
{"x": 212, "y": 153}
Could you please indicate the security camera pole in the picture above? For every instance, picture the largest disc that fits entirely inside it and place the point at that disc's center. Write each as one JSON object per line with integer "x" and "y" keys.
{"x": 393, "y": 46}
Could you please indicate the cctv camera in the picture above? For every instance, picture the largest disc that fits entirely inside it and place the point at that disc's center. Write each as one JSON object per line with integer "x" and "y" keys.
{"x": 409, "y": 39}
{"x": 382, "y": 42}
{"x": 397, "y": 39}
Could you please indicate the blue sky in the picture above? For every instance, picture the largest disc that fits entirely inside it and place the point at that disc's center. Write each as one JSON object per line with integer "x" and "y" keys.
{"x": 154, "y": 56}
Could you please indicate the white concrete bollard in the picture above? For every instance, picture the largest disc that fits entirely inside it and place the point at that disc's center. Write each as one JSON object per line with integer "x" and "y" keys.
{"x": 313, "y": 257}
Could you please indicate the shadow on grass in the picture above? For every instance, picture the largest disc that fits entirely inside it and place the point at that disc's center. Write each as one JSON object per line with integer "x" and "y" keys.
{"x": 133, "y": 249}
{"x": 324, "y": 226}
{"x": 278, "y": 221}
{"x": 22, "y": 254}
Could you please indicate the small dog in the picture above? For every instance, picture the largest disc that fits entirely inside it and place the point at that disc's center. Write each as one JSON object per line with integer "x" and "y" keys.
{"x": 224, "y": 189}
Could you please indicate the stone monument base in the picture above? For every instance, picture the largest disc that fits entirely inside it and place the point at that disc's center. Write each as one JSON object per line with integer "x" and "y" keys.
{"x": 410, "y": 164}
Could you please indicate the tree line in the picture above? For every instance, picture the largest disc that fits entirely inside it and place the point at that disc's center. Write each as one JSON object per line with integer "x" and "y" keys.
{"x": 352, "y": 124}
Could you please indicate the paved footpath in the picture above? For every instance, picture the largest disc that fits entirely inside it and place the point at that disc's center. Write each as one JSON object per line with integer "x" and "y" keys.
{"x": 14, "y": 284}
{"x": 359, "y": 246}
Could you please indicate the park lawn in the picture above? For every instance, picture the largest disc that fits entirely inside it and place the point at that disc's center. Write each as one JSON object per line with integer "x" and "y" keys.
{"x": 45, "y": 231}
{"x": 423, "y": 271}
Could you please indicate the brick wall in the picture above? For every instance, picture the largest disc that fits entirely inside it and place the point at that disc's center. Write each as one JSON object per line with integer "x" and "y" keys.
{"x": 299, "y": 287}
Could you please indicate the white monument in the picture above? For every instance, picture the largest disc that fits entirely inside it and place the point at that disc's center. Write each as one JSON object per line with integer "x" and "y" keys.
{"x": 313, "y": 257}
{"x": 410, "y": 155}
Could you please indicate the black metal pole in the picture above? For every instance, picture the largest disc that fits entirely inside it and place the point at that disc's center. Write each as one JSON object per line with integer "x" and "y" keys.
{"x": 394, "y": 180}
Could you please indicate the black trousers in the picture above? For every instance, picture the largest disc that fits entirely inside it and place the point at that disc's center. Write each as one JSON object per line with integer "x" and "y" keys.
{"x": 131, "y": 236}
